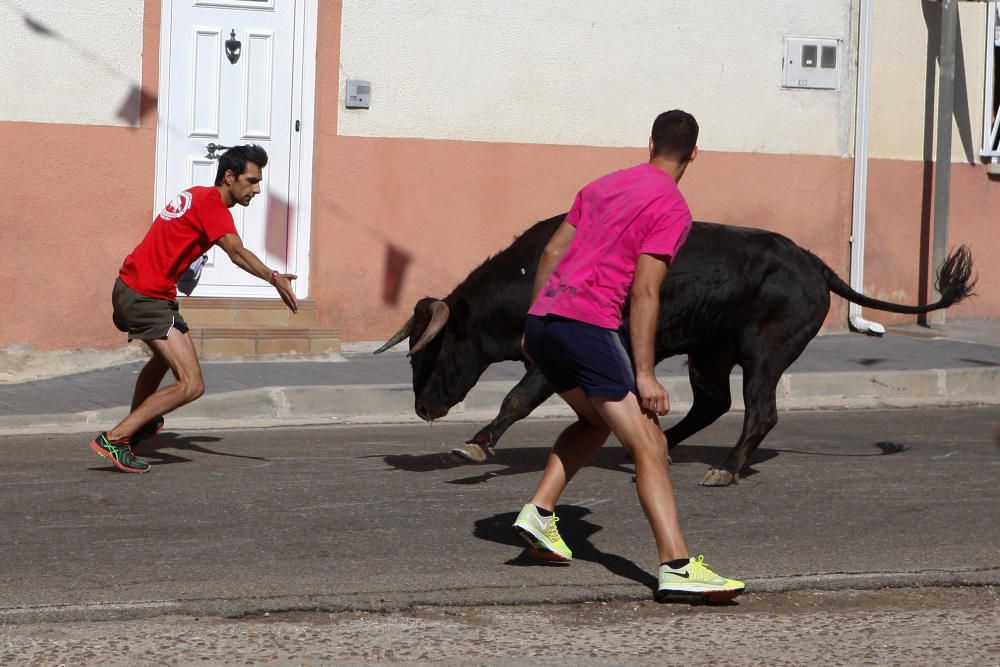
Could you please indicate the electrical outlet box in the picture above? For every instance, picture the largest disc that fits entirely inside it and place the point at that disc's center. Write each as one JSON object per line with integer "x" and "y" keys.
{"x": 358, "y": 95}
{"x": 811, "y": 62}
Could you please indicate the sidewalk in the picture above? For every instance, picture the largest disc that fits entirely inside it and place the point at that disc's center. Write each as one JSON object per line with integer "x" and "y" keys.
{"x": 958, "y": 364}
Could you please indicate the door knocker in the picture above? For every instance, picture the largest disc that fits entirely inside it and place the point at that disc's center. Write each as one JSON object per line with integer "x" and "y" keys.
{"x": 233, "y": 47}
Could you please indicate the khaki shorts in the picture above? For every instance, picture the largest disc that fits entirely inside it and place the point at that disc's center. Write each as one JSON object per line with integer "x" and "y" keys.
{"x": 144, "y": 317}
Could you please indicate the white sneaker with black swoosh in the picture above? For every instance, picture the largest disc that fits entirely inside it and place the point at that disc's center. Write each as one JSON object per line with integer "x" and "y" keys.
{"x": 696, "y": 581}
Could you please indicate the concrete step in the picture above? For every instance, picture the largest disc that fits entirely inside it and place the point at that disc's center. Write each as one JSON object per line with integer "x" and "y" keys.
{"x": 213, "y": 342}
{"x": 237, "y": 312}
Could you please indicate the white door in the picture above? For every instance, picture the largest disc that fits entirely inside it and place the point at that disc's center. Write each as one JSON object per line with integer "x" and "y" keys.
{"x": 229, "y": 80}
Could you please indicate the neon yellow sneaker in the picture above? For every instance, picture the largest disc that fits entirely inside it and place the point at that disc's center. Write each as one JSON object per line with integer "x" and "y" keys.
{"x": 696, "y": 581}
{"x": 541, "y": 535}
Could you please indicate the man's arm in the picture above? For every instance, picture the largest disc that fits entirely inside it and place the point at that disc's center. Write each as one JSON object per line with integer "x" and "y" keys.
{"x": 551, "y": 256}
{"x": 644, "y": 313}
{"x": 250, "y": 263}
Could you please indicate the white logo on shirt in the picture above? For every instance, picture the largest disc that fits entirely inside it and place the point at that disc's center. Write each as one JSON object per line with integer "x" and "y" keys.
{"x": 177, "y": 207}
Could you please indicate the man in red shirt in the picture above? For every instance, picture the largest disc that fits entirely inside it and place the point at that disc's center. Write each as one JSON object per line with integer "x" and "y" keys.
{"x": 145, "y": 296}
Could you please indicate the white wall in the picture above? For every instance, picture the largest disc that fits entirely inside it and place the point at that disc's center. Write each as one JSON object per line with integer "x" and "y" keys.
{"x": 900, "y": 77}
{"x": 593, "y": 72}
{"x": 71, "y": 62}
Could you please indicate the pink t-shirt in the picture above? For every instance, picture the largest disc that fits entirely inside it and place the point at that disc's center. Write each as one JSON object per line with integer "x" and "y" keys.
{"x": 617, "y": 217}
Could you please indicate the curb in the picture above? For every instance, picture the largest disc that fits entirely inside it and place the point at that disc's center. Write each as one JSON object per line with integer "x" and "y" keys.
{"x": 393, "y": 403}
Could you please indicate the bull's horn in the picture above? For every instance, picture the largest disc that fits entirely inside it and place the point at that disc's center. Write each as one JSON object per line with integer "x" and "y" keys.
{"x": 404, "y": 331}
{"x": 439, "y": 317}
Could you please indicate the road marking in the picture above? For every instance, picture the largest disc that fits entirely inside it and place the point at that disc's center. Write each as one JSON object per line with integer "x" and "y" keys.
{"x": 591, "y": 503}
{"x": 944, "y": 456}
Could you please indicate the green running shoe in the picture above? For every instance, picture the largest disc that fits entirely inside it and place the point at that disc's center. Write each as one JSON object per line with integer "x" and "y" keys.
{"x": 118, "y": 452}
{"x": 695, "y": 581}
{"x": 147, "y": 430}
{"x": 541, "y": 535}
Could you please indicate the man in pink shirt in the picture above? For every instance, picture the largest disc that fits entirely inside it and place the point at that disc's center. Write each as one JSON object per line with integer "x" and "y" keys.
{"x": 617, "y": 241}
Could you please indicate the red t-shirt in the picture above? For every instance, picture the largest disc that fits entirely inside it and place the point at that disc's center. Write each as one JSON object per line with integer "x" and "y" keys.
{"x": 186, "y": 228}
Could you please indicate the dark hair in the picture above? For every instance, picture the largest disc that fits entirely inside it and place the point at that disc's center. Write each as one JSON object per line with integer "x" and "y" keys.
{"x": 235, "y": 160}
{"x": 675, "y": 135}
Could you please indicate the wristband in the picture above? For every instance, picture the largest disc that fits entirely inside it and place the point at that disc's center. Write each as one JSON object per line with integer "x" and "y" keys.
{"x": 274, "y": 277}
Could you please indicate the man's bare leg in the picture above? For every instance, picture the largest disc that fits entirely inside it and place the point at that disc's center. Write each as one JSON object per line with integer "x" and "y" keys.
{"x": 177, "y": 350}
{"x": 640, "y": 433}
{"x": 574, "y": 447}
{"x": 149, "y": 378}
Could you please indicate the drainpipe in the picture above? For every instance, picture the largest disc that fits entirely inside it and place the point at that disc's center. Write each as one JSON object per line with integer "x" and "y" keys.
{"x": 858, "y": 222}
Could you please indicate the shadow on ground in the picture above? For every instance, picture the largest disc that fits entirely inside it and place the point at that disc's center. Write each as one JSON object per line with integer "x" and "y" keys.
{"x": 519, "y": 460}
{"x": 576, "y": 530}
{"x": 152, "y": 449}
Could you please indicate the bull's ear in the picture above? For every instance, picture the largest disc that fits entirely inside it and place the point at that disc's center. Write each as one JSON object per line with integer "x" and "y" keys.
{"x": 421, "y": 315}
{"x": 458, "y": 322}
{"x": 423, "y": 306}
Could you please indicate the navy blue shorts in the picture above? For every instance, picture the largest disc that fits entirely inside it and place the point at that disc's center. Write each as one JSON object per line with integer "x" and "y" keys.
{"x": 574, "y": 354}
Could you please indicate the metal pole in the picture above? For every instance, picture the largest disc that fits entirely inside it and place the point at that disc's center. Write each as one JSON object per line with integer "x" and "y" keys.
{"x": 942, "y": 160}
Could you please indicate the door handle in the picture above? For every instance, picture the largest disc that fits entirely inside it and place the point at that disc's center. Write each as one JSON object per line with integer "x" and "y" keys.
{"x": 215, "y": 147}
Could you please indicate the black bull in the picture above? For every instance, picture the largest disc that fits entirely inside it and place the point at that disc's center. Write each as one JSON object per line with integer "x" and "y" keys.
{"x": 733, "y": 295}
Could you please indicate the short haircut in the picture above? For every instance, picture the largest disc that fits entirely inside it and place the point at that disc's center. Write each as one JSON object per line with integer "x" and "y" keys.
{"x": 235, "y": 160}
{"x": 675, "y": 135}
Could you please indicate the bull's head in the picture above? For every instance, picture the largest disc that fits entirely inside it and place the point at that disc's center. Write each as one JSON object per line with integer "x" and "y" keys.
{"x": 453, "y": 340}
{"x": 446, "y": 359}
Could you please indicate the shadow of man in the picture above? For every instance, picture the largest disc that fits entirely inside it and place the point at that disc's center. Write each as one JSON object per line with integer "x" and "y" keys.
{"x": 151, "y": 448}
{"x": 576, "y": 530}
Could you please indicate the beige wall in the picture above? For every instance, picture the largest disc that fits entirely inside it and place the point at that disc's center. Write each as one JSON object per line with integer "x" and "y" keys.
{"x": 905, "y": 40}
{"x": 71, "y": 64}
{"x": 592, "y": 73}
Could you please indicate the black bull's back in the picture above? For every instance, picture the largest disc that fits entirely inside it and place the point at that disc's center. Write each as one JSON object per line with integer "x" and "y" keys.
{"x": 732, "y": 295}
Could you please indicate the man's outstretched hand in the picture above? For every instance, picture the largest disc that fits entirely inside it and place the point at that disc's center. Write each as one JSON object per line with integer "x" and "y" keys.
{"x": 283, "y": 283}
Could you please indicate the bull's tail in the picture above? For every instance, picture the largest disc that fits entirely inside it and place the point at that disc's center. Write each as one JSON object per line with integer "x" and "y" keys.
{"x": 954, "y": 282}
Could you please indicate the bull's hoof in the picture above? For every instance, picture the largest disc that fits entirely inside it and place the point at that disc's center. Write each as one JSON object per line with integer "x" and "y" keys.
{"x": 470, "y": 452}
{"x": 719, "y": 477}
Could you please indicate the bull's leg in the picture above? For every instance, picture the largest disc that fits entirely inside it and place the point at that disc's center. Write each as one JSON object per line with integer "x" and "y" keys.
{"x": 530, "y": 392}
{"x": 764, "y": 357}
{"x": 709, "y": 375}
{"x": 760, "y": 416}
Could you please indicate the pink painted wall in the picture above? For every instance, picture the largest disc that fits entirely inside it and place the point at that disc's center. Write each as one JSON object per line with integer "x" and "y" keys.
{"x": 449, "y": 205}
{"x": 900, "y": 234}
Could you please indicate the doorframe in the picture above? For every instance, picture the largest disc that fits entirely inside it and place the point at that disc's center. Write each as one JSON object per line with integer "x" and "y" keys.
{"x": 301, "y": 147}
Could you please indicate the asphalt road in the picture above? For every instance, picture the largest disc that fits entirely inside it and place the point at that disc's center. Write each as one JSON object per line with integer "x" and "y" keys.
{"x": 366, "y": 543}
{"x": 352, "y": 517}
